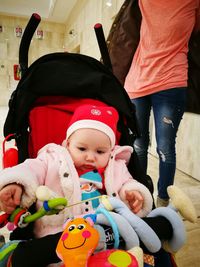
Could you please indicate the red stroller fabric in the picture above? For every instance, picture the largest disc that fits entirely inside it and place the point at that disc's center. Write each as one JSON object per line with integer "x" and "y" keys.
{"x": 50, "y": 117}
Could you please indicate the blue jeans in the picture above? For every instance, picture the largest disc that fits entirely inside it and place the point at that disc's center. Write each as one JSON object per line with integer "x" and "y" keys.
{"x": 168, "y": 107}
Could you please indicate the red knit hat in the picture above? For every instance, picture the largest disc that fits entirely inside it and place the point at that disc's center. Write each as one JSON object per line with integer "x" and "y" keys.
{"x": 102, "y": 118}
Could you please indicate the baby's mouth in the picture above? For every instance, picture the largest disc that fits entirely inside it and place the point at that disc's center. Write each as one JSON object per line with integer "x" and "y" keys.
{"x": 88, "y": 167}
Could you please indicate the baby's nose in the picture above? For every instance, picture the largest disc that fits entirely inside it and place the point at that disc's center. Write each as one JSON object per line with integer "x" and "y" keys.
{"x": 90, "y": 156}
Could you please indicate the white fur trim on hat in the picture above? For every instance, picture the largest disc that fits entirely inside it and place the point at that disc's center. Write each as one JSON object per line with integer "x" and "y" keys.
{"x": 92, "y": 124}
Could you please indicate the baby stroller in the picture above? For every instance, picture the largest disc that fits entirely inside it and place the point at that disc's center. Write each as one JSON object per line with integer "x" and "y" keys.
{"x": 46, "y": 97}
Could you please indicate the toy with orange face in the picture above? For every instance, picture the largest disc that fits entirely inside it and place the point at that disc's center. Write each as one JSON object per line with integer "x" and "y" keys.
{"x": 77, "y": 242}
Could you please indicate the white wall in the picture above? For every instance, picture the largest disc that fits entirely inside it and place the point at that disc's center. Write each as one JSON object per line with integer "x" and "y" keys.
{"x": 82, "y": 20}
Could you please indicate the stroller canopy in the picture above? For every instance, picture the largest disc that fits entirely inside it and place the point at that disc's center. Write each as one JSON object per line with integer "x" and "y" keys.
{"x": 71, "y": 75}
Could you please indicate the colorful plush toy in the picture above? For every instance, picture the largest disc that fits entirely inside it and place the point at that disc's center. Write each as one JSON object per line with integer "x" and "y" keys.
{"x": 77, "y": 242}
{"x": 80, "y": 239}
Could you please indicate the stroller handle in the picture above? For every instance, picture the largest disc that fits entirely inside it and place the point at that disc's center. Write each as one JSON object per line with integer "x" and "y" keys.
{"x": 102, "y": 45}
{"x": 26, "y": 39}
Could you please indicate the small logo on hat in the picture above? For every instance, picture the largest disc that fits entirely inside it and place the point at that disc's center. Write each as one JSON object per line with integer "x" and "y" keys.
{"x": 96, "y": 112}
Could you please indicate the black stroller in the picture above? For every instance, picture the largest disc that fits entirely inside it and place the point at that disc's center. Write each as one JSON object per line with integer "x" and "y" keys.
{"x": 47, "y": 95}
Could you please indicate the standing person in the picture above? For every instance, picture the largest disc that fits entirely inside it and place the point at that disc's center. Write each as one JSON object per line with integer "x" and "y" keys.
{"x": 157, "y": 80}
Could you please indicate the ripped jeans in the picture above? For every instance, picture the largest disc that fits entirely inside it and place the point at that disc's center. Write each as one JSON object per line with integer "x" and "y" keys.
{"x": 168, "y": 107}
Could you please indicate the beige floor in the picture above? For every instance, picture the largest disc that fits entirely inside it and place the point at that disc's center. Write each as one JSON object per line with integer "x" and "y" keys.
{"x": 189, "y": 255}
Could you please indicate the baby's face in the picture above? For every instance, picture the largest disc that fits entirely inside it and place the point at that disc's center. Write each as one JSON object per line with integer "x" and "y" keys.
{"x": 89, "y": 149}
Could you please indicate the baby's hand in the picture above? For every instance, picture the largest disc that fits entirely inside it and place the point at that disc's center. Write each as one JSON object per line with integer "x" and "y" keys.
{"x": 135, "y": 200}
{"x": 10, "y": 197}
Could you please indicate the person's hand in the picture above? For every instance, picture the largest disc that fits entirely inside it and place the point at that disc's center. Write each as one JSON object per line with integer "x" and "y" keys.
{"x": 135, "y": 200}
{"x": 10, "y": 197}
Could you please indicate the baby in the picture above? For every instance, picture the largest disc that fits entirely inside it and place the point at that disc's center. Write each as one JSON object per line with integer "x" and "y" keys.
{"x": 88, "y": 164}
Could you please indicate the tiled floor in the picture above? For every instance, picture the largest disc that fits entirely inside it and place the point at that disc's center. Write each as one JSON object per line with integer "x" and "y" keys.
{"x": 189, "y": 255}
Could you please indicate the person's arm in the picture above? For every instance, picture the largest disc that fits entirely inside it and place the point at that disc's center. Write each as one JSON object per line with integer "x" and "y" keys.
{"x": 138, "y": 193}
{"x": 28, "y": 175}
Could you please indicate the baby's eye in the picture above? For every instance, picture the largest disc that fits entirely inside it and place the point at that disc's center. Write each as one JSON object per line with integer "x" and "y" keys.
{"x": 81, "y": 148}
{"x": 100, "y": 152}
